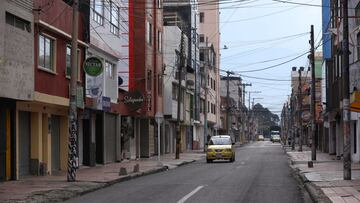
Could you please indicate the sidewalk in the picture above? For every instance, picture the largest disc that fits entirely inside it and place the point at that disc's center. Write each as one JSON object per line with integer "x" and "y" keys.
{"x": 56, "y": 188}
{"x": 324, "y": 181}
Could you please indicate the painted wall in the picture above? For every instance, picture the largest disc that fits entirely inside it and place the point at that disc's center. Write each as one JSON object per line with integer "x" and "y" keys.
{"x": 55, "y": 82}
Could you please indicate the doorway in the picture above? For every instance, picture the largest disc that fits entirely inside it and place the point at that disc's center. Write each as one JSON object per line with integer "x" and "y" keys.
{"x": 24, "y": 143}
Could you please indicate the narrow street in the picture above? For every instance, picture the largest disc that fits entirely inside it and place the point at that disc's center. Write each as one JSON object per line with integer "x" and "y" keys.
{"x": 259, "y": 174}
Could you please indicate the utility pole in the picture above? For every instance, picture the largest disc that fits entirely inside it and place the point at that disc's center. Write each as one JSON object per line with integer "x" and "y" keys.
{"x": 244, "y": 86}
{"x": 250, "y": 96}
{"x": 292, "y": 115}
{"x": 72, "y": 151}
{"x": 228, "y": 102}
{"x": 250, "y": 113}
{"x": 346, "y": 94}
{"x": 253, "y": 102}
{"x": 180, "y": 67}
{"x": 206, "y": 95}
{"x": 300, "y": 111}
{"x": 313, "y": 97}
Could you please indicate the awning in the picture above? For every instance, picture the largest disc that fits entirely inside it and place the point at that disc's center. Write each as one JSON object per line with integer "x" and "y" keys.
{"x": 355, "y": 101}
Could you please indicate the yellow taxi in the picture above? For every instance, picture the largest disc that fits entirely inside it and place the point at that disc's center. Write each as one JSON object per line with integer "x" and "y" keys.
{"x": 220, "y": 147}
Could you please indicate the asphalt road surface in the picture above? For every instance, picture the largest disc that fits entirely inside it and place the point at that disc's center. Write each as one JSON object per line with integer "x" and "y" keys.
{"x": 259, "y": 174}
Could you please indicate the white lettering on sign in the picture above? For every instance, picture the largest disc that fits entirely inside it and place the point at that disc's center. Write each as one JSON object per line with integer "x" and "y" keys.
{"x": 129, "y": 99}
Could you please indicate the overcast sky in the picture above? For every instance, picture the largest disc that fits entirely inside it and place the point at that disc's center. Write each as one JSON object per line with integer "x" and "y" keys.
{"x": 264, "y": 33}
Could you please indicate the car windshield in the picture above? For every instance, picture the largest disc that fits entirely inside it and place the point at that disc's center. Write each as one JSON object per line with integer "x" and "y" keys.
{"x": 220, "y": 141}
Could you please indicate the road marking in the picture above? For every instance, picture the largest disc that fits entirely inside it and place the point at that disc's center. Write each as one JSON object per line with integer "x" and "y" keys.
{"x": 186, "y": 197}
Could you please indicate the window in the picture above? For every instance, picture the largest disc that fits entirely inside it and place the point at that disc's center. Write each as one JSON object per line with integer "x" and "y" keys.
{"x": 208, "y": 107}
{"x": 110, "y": 70}
{"x": 160, "y": 84}
{"x": 174, "y": 91}
{"x": 114, "y": 19}
{"x": 202, "y": 56}
{"x": 202, "y": 17}
{"x": 18, "y": 22}
{"x": 202, "y": 38}
{"x": 68, "y": 62}
{"x": 159, "y": 4}
{"x": 149, "y": 75}
{"x": 202, "y": 105}
{"x": 159, "y": 42}
{"x": 98, "y": 11}
{"x": 46, "y": 53}
{"x": 357, "y": 14}
{"x": 149, "y": 33}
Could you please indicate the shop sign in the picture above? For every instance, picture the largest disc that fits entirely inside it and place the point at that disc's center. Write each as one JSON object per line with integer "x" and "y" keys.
{"x": 93, "y": 66}
{"x": 106, "y": 104}
{"x": 134, "y": 100}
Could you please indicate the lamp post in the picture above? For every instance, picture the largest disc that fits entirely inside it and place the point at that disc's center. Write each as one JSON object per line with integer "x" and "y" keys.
{"x": 159, "y": 119}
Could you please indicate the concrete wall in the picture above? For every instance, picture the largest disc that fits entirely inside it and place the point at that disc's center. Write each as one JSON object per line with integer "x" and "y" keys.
{"x": 17, "y": 52}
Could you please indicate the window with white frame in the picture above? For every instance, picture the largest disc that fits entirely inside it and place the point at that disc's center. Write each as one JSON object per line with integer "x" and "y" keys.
{"x": 110, "y": 70}
{"x": 114, "y": 18}
{"x": 149, "y": 33}
{"x": 98, "y": 11}
{"x": 46, "y": 54}
{"x": 68, "y": 62}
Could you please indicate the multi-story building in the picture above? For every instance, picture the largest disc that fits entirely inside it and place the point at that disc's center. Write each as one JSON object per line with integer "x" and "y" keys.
{"x": 209, "y": 36}
{"x": 172, "y": 42}
{"x": 109, "y": 43}
{"x": 145, "y": 76}
{"x": 300, "y": 84}
{"x": 182, "y": 14}
{"x": 236, "y": 93}
{"x": 16, "y": 85}
{"x": 42, "y": 121}
{"x": 332, "y": 64}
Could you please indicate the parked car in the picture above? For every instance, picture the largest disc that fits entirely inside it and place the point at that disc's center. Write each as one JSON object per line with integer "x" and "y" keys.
{"x": 261, "y": 138}
{"x": 275, "y": 138}
{"x": 220, "y": 147}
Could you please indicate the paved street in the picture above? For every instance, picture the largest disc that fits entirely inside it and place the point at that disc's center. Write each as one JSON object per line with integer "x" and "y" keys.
{"x": 259, "y": 174}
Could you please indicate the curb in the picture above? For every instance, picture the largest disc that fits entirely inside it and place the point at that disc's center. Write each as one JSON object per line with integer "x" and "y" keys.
{"x": 69, "y": 192}
{"x": 315, "y": 193}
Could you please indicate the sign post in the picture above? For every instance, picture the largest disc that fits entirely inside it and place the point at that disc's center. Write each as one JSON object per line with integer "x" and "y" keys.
{"x": 159, "y": 119}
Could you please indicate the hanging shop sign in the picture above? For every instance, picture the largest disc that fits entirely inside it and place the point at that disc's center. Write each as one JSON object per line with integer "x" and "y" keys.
{"x": 134, "y": 100}
{"x": 93, "y": 66}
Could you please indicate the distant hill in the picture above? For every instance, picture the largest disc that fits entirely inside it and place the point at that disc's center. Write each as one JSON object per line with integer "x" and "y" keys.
{"x": 266, "y": 119}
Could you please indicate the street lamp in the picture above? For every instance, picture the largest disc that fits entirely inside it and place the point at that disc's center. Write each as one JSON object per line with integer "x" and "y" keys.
{"x": 159, "y": 119}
